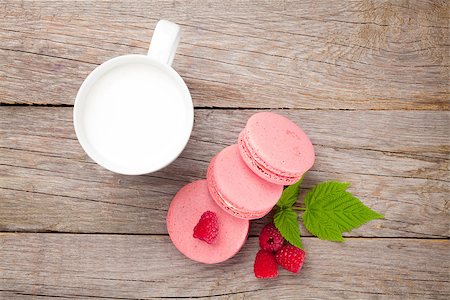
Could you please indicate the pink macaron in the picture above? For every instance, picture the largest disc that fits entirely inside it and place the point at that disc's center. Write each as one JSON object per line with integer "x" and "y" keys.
{"x": 276, "y": 148}
{"x": 184, "y": 213}
{"x": 236, "y": 189}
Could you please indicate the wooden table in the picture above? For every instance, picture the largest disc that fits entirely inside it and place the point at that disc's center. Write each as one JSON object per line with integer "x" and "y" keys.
{"x": 367, "y": 80}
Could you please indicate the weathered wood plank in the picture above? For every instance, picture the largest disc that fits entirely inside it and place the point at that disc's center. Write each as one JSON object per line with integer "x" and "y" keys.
{"x": 304, "y": 54}
{"x": 123, "y": 266}
{"x": 397, "y": 162}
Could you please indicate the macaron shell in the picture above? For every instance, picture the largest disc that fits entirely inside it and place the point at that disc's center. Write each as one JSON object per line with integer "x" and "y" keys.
{"x": 279, "y": 143}
{"x": 227, "y": 206}
{"x": 259, "y": 168}
{"x": 185, "y": 211}
{"x": 237, "y": 188}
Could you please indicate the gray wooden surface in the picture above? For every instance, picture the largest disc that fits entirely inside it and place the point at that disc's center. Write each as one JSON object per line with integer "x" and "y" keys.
{"x": 367, "y": 80}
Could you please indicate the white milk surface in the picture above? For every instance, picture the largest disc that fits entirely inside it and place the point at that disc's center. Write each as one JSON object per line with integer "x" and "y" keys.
{"x": 136, "y": 116}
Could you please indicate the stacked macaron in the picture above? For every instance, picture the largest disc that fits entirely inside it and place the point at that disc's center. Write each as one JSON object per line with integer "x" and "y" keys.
{"x": 208, "y": 220}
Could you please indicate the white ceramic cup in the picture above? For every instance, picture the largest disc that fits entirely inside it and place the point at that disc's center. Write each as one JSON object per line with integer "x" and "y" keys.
{"x": 134, "y": 114}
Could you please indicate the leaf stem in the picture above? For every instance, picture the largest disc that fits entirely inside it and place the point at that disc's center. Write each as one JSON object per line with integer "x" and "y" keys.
{"x": 299, "y": 208}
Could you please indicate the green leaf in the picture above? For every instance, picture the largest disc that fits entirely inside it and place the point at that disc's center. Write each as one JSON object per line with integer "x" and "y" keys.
{"x": 286, "y": 220}
{"x": 321, "y": 227}
{"x": 331, "y": 210}
{"x": 289, "y": 195}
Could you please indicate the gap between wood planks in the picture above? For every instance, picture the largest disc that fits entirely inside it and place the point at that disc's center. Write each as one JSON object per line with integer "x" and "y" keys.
{"x": 442, "y": 238}
{"x": 72, "y": 296}
{"x": 235, "y": 108}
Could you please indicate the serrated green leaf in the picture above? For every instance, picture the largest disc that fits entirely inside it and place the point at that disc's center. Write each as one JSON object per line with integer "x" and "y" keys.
{"x": 321, "y": 227}
{"x": 331, "y": 210}
{"x": 286, "y": 220}
{"x": 289, "y": 195}
{"x": 325, "y": 189}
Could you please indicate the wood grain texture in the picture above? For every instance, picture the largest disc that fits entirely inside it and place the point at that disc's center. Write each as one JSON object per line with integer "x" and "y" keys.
{"x": 129, "y": 267}
{"x": 368, "y": 80}
{"x": 303, "y": 54}
{"x": 397, "y": 161}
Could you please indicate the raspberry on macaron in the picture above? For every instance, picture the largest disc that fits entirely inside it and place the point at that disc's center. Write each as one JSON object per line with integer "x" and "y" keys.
{"x": 207, "y": 227}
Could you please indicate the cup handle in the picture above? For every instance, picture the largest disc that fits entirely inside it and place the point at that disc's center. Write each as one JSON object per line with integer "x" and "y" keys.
{"x": 164, "y": 42}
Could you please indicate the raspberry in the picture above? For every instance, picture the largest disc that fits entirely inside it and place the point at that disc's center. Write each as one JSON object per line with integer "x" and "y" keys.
{"x": 207, "y": 227}
{"x": 291, "y": 258}
{"x": 270, "y": 238}
{"x": 265, "y": 265}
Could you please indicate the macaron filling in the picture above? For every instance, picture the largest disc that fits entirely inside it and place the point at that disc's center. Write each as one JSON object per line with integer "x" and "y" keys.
{"x": 250, "y": 156}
